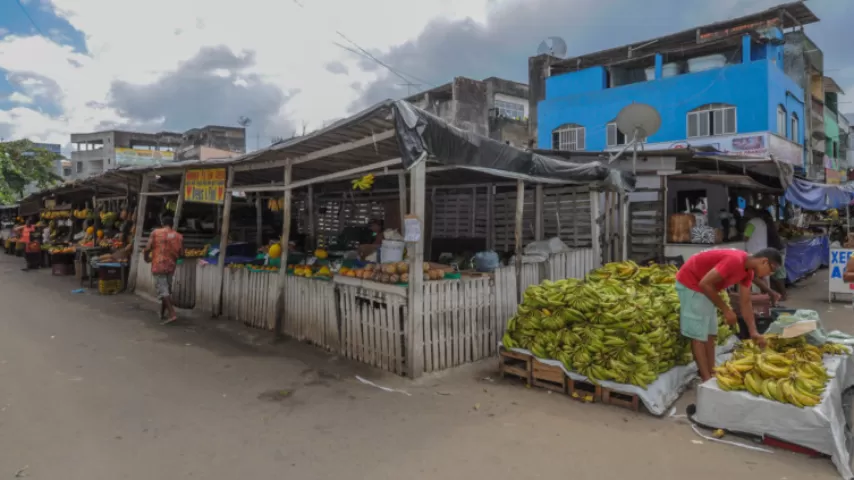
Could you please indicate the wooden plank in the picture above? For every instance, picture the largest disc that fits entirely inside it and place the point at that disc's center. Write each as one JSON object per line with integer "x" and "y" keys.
{"x": 223, "y": 243}
{"x": 415, "y": 360}
{"x": 137, "y": 234}
{"x": 286, "y": 234}
{"x": 439, "y": 322}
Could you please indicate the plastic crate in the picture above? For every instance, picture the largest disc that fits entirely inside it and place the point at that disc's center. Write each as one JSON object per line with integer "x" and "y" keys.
{"x": 109, "y": 273}
{"x": 109, "y": 287}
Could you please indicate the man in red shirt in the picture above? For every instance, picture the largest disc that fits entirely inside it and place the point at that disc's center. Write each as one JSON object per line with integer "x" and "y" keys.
{"x": 698, "y": 284}
{"x": 165, "y": 246}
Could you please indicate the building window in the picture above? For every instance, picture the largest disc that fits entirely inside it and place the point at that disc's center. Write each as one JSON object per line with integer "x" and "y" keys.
{"x": 712, "y": 119}
{"x": 615, "y": 136}
{"x": 568, "y": 137}
{"x": 66, "y": 172}
{"x": 79, "y": 166}
{"x": 796, "y": 128}
{"x": 510, "y": 109}
{"x": 781, "y": 121}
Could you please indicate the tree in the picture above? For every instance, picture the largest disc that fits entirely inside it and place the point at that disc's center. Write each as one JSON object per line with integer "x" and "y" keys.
{"x": 22, "y": 164}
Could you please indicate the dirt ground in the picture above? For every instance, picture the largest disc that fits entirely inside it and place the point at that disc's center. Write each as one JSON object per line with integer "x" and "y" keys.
{"x": 94, "y": 388}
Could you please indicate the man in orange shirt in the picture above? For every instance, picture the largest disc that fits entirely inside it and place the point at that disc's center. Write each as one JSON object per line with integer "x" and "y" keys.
{"x": 165, "y": 246}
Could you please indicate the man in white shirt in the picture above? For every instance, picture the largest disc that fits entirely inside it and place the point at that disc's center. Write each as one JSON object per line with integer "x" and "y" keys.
{"x": 757, "y": 233}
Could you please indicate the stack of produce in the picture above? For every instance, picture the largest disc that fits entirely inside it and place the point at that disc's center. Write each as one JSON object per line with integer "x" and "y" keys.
{"x": 195, "y": 252}
{"x": 620, "y": 324}
{"x": 384, "y": 273}
{"x": 787, "y": 371}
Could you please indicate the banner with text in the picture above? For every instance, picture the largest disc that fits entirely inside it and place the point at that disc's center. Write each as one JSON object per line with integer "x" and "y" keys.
{"x": 205, "y": 185}
{"x": 142, "y": 158}
{"x": 838, "y": 259}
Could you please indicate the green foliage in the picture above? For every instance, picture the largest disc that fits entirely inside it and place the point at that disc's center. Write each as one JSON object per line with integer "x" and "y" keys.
{"x": 22, "y": 163}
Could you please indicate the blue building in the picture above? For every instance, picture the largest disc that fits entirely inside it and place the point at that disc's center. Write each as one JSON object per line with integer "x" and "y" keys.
{"x": 737, "y": 86}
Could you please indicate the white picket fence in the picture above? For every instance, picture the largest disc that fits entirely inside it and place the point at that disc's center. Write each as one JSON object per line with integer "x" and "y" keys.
{"x": 311, "y": 312}
{"x": 208, "y": 284}
{"x": 250, "y": 297}
{"x": 373, "y": 327}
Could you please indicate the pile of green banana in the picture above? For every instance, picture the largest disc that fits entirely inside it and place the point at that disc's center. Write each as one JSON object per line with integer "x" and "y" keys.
{"x": 620, "y": 324}
{"x": 788, "y": 370}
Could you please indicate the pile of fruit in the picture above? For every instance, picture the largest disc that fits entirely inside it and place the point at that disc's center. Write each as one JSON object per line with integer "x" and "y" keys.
{"x": 83, "y": 214}
{"x": 620, "y": 324}
{"x": 276, "y": 204}
{"x": 383, "y": 273}
{"x": 57, "y": 250}
{"x": 308, "y": 271}
{"x": 787, "y": 371}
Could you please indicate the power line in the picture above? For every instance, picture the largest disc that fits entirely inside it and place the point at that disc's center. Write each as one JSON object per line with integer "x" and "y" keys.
{"x": 24, "y": 9}
{"x": 366, "y": 54}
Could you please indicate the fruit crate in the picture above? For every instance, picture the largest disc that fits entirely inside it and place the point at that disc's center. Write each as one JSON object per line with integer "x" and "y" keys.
{"x": 583, "y": 391}
{"x": 548, "y": 376}
{"x": 515, "y": 364}
{"x": 621, "y": 399}
{"x": 109, "y": 287}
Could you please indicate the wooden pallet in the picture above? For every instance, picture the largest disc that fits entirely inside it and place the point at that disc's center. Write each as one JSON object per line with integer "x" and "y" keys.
{"x": 621, "y": 399}
{"x": 583, "y": 391}
{"x": 515, "y": 364}
{"x": 549, "y": 377}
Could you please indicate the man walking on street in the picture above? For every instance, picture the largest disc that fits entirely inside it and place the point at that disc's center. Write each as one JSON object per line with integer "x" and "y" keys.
{"x": 699, "y": 283}
{"x": 165, "y": 246}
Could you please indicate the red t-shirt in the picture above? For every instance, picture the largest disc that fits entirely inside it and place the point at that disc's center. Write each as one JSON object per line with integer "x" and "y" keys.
{"x": 728, "y": 262}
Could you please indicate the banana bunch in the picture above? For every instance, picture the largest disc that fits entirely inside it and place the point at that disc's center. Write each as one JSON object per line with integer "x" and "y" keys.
{"x": 620, "y": 324}
{"x": 787, "y": 371}
{"x": 364, "y": 183}
{"x": 835, "y": 349}
{"x": 171, "y": 205}
{"x": 276, "y": 204}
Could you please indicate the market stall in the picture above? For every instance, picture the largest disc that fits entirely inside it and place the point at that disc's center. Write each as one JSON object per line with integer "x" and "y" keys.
{"x": 340, "y": 297}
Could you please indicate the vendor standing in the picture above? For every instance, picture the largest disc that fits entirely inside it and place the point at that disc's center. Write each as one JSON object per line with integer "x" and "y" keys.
{"x": 761, "y": 233}
{"x": 32, "y": 247}
{"x": 367, "y": 249}
{"x": 699, "y": 283}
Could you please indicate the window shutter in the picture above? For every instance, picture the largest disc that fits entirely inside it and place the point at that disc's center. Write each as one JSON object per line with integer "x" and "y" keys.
{"x": 704, "y": 124}
{"x": 692, "y": 126}
{"x": 556, "y": 140}
{"x": 612, "y": 134}
{"x": 719, "y": 122}
{"x": 580, "y": 138}
{"x": 729, "y": 121}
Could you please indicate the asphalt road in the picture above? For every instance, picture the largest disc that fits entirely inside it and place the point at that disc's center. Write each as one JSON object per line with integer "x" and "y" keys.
{"x": 93, "y": 388}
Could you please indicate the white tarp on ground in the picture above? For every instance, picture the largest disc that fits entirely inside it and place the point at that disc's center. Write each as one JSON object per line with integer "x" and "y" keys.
{"x": 658, "y": 396}
{"x": 823, "y": 428}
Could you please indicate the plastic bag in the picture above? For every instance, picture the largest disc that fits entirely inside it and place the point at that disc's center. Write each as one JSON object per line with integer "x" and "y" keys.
{"x": 486, "y": 261}
{"x": 817, "y": 337}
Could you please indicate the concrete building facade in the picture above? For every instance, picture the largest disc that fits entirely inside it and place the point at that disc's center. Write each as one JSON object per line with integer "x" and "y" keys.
{"x": 729, "y": 86}
{"x": 492, "y": 107}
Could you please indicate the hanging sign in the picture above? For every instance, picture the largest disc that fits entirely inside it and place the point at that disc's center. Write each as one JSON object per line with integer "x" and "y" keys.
{"x": 205, "y": 185}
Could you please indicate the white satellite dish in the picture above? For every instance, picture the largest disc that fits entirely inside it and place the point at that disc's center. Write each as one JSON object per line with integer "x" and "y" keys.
{"x": 637, "y": 122}
{"x": 554, "y": 46}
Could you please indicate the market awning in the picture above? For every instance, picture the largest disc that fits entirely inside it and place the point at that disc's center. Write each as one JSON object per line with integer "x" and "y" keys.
{"x": 735, "y": 181}
{"x": 819, "y": 196}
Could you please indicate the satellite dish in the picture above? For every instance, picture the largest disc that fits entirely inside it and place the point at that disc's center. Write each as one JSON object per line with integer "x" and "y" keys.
{"x": 554, "y": 46}
{"x": 638, "y": 121}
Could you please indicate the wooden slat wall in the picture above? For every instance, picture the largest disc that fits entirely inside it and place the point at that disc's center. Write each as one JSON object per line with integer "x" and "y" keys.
{"x": 373, "y": 327}
{"x": 504, "y": 230}
{"x": 184, "y": 284}
{"x": 311, "y": 312}
{"x": 460, "y": 213}
{"x": 460, "y": 322}
{"x": 144, "y": 279}
{"x": 573, "y": 264}
{"x": 566, "y": 215}
{"x": 207, "y": 286}
{"x": 250, "y": 297}
{"x": 505, "y": 297}
{"x": 646, "y": 228}
{"x": 339, "y": 214}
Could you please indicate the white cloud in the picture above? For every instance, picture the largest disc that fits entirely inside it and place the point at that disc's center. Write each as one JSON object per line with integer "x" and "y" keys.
{"x": 18, "y": 97}
{"x": 291, "y": 46}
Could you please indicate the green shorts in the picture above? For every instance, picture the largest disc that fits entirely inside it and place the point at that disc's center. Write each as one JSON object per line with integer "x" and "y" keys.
{"x": 780, "y": 274}
{"x": 698, "y": 316}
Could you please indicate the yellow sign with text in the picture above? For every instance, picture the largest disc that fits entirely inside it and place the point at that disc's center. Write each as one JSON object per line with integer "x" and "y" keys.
{"x": 205, "y": 185}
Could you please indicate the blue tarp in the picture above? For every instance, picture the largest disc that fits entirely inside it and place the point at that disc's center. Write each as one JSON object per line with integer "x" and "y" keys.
{"x": 806, "y": 256}
{"x": 818, "y": 196}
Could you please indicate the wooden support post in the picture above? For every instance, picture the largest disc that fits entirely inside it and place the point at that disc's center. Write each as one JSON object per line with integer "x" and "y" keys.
{"x": 624, "y": 225}
{"x": 520, "y": 209}
{"x": 97, "y": 210}
{"x": 259, "y": 221}
{"x": 490, "y": 217}
{"x": 283, "y": 268}
{"x": 223, "y": 238}
{"x": 595, "y": 228}
{"x": 538, "y": 212}
{"x": 137, "y": 234}
{"x": 312, "y": 221}
{"x": 415, "y": 320}
{"x": 179, "y": 207}
{"x": 401, "y": 184}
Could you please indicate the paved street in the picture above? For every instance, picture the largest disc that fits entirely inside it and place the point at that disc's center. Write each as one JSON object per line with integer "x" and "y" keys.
{"x": 93, "y": 388}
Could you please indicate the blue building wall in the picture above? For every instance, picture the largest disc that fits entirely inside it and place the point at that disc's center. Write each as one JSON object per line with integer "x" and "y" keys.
{"x": 756, "y": 88}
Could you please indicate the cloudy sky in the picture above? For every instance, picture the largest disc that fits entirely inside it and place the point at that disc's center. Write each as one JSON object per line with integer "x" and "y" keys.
{"x": 83, "y": 65}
